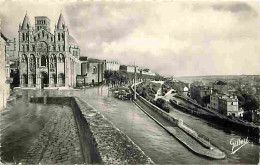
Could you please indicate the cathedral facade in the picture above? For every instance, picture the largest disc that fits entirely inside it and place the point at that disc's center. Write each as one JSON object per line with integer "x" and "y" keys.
{"x": 47, "y": 59}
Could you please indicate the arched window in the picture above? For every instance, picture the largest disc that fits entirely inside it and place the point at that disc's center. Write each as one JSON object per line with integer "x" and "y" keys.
{"x": 24, "y": 58}
{"x": 53, "y": 57}
{"x": 23, "y": 37}
{"x": 27, "y": 36}
{"x": 62, "y": 36}
{"x": 51, "y": 39}
{"x": 61, "y": 58}
{"x": 43, "y": 60}
{"x": 42, "y": 33}
{"x": 61, "y": 78}
{"x": 58, "y": 36}
{"x": 32, "y": 62}
{"x": 94, "y": 70}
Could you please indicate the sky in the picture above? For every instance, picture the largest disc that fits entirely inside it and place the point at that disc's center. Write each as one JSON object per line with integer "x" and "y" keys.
{"x": 172, "y": 38}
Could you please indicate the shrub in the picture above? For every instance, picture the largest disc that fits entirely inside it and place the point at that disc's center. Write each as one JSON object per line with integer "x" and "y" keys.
{"x": 161, "y": 103}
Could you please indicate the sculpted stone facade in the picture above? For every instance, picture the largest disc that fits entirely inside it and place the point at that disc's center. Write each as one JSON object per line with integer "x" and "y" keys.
{"x": 45, "y": 58}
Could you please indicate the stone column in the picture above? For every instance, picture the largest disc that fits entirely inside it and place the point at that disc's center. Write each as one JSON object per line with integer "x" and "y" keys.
{"x": 38, "y": 81}
{"x": 67, "y": 71}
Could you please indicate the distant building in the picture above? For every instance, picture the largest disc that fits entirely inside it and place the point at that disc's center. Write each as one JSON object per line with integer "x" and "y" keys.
{"x": 147, "y": 72}
{"x": 112, "y": 65}
{"x": 228, "y": 105}
{"x": 14, "y": 74}
{"x": 214, "y": 101}
{"x": 225, "y": 104}
{"x": 220, "y": 87}
{"x": 92, "y": 70}
{"x": 199, "y": 92}
{"x": 128, "y": 68}
{"x": 131, "y": 68}
{"x": 4, "y": 73}
{"x": 45, "y": 58}
{"x": 185, "y": 89}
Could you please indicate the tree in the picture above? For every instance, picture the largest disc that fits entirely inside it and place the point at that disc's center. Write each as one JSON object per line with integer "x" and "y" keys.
{"x": 107, "y": 76}
{"x": 250, "y": 102}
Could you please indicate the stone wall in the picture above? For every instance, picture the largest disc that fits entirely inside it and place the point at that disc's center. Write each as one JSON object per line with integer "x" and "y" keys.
{"x": 101, "y": 141}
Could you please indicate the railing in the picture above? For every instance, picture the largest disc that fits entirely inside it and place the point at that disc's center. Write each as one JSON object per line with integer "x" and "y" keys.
{"x": 196, "y": 134}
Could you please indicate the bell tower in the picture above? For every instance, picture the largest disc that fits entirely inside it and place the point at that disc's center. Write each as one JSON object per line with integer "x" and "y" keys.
{"x": 42, "y": 22}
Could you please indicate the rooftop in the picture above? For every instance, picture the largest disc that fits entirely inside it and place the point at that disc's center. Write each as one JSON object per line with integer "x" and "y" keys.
{"x": 72, "y": 41}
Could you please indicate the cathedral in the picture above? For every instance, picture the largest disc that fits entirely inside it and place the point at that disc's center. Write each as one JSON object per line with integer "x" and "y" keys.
{"x": 47, "y": 59}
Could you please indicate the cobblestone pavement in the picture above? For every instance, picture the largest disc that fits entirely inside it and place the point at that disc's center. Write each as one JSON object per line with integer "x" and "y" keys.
{"x": 58, "y": 141}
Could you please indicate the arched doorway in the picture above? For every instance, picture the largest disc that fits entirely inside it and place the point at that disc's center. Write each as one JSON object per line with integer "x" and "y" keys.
{"x": 24, "y": 80}
{"x": 32, "y": 80}
{"x": 61, "y": 79}
{"x": 44, "y": 79}
{"x": 53, "y": 80}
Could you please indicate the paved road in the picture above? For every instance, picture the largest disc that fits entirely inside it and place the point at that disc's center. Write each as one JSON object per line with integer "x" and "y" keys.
{"x": 37, "y": 133}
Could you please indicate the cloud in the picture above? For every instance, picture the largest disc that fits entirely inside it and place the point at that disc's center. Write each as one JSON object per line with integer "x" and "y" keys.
{"x": 172, "y": 38}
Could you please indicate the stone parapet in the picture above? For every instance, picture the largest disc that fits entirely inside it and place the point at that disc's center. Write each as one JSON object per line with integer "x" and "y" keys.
{"x": 101, "y": 142}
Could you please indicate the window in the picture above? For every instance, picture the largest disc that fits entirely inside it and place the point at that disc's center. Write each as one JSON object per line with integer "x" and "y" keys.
{"x": 59, "y": 47}
{"x": 94, "y": 70}
{"x": 24, "y": 58}
{"x": 51, "y": 39}
{"x": 39, "y": 35}
{"x": 62, "y": 35}
{"x": 23, "y": 48}
{"x": 47, "y": 36}
{"x": 33, "y": 48}
{"x": 42, "y": 33}
{"x": 43, "y": 61}
{"x": 23, "y": 38}
{"x": 27, "y": 47}
{"x": 27, "y": 36}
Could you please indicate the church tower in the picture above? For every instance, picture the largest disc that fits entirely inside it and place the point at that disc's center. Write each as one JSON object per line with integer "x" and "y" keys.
{"x": 25, "y": 35}
{"x": 25, "y": 31}
{"x": 42, "y": 22}
{"x": 61, "y": 33}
